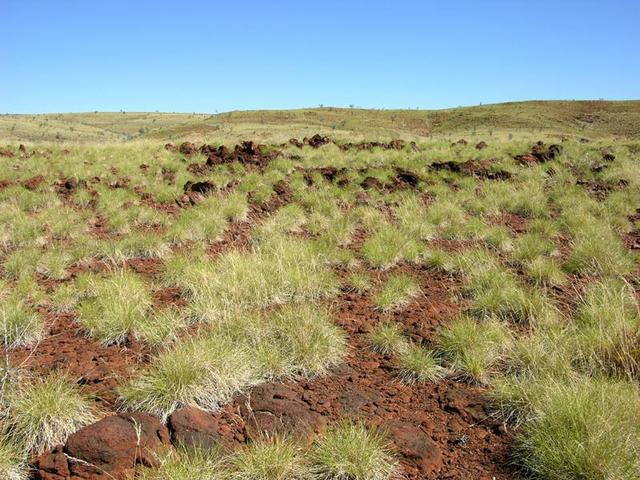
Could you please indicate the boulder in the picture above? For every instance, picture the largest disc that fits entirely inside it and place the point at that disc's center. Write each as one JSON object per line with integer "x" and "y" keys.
{"x": 188, "y": 148}
{"x": 108, "y": 449}
{"x": 275, "y": 409}
{"x": 192, "y": 427}
{"x": 414, "y": 444}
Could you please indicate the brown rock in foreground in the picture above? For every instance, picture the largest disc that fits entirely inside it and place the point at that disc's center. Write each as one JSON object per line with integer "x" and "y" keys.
{"x": 195, "y": 428}
{"x": 108, "y": 449}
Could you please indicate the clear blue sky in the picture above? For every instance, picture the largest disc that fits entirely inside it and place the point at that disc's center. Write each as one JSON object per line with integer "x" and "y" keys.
{"x": 207, "y": 56}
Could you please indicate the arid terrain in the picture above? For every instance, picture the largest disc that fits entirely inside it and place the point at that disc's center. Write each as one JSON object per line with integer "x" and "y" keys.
{"x": 321, "y": 294}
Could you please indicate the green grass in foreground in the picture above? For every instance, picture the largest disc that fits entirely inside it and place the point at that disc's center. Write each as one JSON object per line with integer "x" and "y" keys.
{"x": 536, "y": 265}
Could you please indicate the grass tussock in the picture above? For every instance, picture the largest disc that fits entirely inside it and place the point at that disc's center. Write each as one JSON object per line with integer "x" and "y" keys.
{"x": 12, "y": 463}
{"x": 43, "y": 412}
{"x": 189, "y": 464}
{"x": 397, "y": 291}
{"x": 387, "y": 338}
{"x": 586, "y": 428}
{"x": 269, "y": 459}
{"x": 607, "y": 328}
{"x": 252, "y": 347}
{"x": 19, "y": 325}
{"x": 352, "y": 451}
{"x": 418, "y": 364}
{"x": 203, "y": 372}
{"x": 279, "y": 272}
{"x": 473, "y": 347}
{"x": 115, "y": 307}
{"x": 388, "y": 246}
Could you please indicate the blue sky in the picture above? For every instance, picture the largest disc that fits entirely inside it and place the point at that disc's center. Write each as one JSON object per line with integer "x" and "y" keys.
{"x": 207, "y": 56}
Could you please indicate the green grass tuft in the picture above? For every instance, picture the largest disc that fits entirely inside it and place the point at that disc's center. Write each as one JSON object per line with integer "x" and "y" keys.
{"x": 396, "y": 292}
{"x": 43, "y": 412}
{"x": 352, "y": 451}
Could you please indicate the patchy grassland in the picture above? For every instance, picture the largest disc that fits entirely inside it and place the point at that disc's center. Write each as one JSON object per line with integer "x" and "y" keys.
{"x": 590, "y": 119}
{"x": 491, "y": 291}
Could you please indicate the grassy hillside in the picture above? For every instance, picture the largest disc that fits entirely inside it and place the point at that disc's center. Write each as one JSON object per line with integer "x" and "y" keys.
{"x": 590, "y": 119}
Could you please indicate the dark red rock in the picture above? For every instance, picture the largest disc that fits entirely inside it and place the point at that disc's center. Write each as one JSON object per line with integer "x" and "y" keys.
{"x": 481, "y": 145}
{"x": 106, "y": 450}
{"x": 192, "y": 427}
{"x": 414, "y": 444}
{"x": 607, "y": 155}
{"x": 371, "y": 182}
{"x": 188, "y": 148}
{"x": 34, "y": 182}
{"x": 203, "y": 188}
{"x": 116, "y": 443}
{"x": 275, "y": 409}
{"x": 407, "y": 177}
{"x": 170, "y": 147}
{"x": 316, "y": 141}
{"x": 6, "y": 153}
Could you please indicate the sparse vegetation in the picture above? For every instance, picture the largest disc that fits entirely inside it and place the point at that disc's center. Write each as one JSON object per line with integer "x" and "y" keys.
{"x": 331, "y": 275}
{"x": 397, "y": 291}
{"x": 352, "y": 450}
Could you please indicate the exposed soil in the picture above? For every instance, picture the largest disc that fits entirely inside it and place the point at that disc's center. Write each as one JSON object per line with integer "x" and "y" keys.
{"x": 440, "y": 430}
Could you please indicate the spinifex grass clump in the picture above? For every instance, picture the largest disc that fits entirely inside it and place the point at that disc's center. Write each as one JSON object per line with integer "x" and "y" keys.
{"x": 43, "y": 412}
{"x": 418, "y": 364}
{"x": 597, "y": 250}
{"x": 19, "y": 324}
{"x": 189, "y": 464}
{"x": 115, "y": 306}
{"x": 249, "y": 348}
{"x": 12, "y": 462}
{"x": 359, "y": 282}
{"x": 269, "y": 459}
{"x": 388, "y": 246}
{"x": 353, "y": 451}
{"x": 305, "y": 336}
{"x": 274, "y": 273}
{"x": 204, "y": 372}
{"x": 387, "y": 338}
{"x": 474, "y": 347}
{"x": 586, "y": 428}
{"x": 397, "y": 291}
{"x": 608, "y": 328}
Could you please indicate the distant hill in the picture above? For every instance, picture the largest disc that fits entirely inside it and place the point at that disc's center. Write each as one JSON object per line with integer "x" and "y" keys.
{"x": 589, "y": 119}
